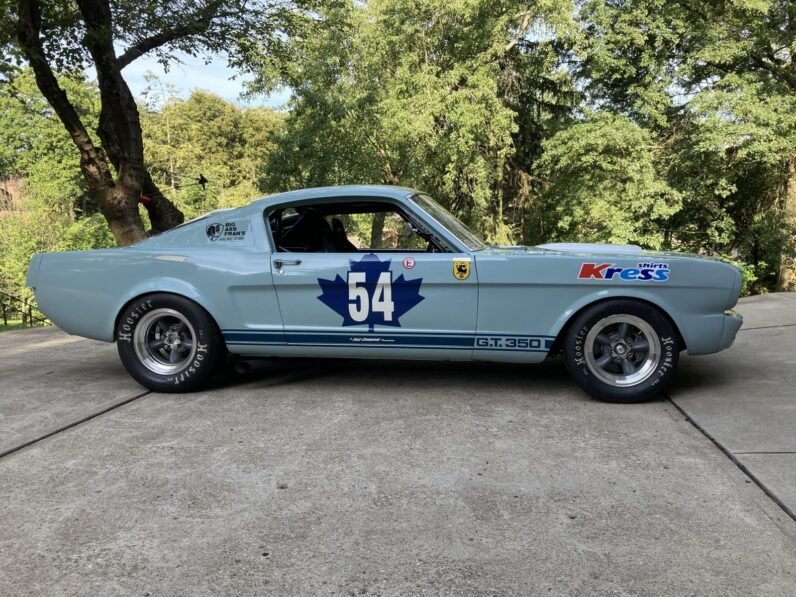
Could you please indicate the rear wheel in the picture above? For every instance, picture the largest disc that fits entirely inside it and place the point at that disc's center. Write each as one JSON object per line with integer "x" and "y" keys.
{"x": 168, "y": 343}
{"x": 622, "y": 351}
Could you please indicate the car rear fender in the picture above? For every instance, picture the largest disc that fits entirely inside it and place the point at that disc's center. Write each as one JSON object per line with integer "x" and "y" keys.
{"x": 159, "y": 285}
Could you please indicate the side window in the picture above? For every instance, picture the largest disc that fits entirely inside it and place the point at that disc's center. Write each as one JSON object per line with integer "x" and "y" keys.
{"x": 371, "y": 231}
{"x": 351, "y": 227}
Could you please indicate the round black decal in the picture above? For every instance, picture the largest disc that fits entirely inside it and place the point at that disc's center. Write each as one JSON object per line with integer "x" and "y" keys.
{"x": 214, "y": 231}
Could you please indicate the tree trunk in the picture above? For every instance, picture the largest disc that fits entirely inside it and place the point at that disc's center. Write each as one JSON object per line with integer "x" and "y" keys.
{"x": 163, "y": 214}
{"x": 120, "y": 125}
{"x": 377, "y": 230}
{"x": 120, "y": 122}
{"x": 122, "y": 216}
{"x": 377, "y": 226}
{"x": 787, "y": 272}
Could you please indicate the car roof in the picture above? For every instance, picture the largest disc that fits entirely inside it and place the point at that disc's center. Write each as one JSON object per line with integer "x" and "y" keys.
{"x": 392, "y": 192}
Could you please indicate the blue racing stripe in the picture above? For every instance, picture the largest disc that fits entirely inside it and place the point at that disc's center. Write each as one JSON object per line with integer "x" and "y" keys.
{"x": 457, "y": 341}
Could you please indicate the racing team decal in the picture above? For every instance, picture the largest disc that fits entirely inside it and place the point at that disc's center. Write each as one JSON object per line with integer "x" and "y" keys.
{"x": 369, "y": 295}
{"x": 226, "y": 231}
{"x": 655, "y": 272}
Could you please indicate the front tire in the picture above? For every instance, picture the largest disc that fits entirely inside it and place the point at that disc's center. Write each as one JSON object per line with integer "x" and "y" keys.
{"x": 622, "y": 351}
{"x": 168, "y": 343}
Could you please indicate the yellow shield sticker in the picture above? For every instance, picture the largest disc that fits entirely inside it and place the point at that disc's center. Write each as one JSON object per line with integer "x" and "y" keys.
{"x": 461, "y": 269}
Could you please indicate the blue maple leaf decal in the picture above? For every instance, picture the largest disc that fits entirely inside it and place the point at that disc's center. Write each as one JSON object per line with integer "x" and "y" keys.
{"x": 405, "y": 294}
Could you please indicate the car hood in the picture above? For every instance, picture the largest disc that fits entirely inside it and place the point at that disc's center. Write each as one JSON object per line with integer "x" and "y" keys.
{"x": 594, "y": 250}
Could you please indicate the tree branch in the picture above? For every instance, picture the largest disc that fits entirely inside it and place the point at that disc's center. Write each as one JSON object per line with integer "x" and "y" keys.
{"x": 526, "y": 20}
{"x": 92, "y": 163}
{"x": 198, "y": 23}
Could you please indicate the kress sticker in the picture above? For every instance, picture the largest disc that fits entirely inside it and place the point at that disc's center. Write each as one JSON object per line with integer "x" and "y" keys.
{"x": 644, "y": 272}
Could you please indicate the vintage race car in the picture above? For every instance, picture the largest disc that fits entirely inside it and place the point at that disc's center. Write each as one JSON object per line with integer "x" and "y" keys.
{"x": 385, "y": 272}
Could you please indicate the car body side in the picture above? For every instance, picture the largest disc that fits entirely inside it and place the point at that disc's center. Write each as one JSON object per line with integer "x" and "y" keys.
{"x": 521, "y": 291}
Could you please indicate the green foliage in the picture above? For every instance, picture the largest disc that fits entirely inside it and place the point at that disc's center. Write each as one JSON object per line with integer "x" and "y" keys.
{"x": 13, "y": 324}
{"x": 750, "y": 275}
{"x": 604, "y": 185}
{"x": 57, "y": 212}
{"x": 207, "y": 135}
{"x": 34, "y": 144}
{"x": 407, "y": 93}
{"x": 715, "y": 84}
{"x": 247, "y": 33}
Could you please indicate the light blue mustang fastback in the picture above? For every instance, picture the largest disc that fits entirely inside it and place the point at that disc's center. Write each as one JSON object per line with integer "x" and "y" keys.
{"x": 385, "y": 272}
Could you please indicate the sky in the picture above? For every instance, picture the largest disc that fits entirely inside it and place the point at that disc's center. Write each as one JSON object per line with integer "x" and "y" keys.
{"x": 192, "y": 74}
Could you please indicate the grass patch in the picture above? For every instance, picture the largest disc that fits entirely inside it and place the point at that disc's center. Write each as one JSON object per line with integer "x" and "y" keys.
{"x": 13, "y": 324}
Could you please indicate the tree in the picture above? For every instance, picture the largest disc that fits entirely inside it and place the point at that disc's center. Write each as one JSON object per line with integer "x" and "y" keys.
{"x": 206, "y": 135}
{"x": 53, "y": 36}
{"x": 409, "y": 92}
{"x": 715, "y": 84}
{"x": 603, "y": 183}
{"x": 538, "y": 86}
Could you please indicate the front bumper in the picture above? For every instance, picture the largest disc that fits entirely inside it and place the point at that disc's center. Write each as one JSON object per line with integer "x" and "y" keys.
{"x": 732, "y": 323}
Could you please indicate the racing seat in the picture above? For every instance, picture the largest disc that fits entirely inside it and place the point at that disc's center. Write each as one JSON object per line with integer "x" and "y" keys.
{"x": 312, "y": 233}
{"x": 340, "y": 238}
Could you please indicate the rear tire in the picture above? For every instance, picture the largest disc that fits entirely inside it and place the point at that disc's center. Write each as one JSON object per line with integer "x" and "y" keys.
{"x": 622, "y": 351}
{"x": 168, "y": 343}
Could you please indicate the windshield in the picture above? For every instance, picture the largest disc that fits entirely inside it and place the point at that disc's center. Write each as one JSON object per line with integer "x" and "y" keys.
{"x": 469, "y": 238}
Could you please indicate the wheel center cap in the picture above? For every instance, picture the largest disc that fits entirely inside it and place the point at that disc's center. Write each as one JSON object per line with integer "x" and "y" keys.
{"x": 620, "y": 349}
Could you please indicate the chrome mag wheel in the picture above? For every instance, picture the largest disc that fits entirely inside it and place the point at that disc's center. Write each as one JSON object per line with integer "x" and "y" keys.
{"x": 622, "y": 350}
{"x": 164, "y": 341}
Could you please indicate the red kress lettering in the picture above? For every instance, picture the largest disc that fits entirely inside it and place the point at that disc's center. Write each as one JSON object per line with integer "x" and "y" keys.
{"x": 592, "y": 270}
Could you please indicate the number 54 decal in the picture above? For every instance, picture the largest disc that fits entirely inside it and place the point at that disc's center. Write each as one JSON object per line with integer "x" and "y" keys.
{"x": 360, "y": 304}
{"x": 368, "y": 295}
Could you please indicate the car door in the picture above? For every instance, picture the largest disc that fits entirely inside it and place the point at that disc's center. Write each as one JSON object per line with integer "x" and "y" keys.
{"x": 360, "y": 301}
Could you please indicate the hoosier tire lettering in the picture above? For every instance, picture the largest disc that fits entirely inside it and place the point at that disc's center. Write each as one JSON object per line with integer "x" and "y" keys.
{"x": 197, "y": 363}
{"x": 124, "y": 334}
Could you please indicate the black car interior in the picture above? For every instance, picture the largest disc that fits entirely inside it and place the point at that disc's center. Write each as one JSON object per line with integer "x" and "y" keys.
{"x": 315, "y": 229}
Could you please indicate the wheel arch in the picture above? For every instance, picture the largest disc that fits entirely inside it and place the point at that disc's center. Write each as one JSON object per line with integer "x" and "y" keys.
{"x": 190, "y": 296}
{"x": 572, "y": 317}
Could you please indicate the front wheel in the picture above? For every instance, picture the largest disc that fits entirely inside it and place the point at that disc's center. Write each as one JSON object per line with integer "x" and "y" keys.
{"x": 168, "y": 343}
{"x": 622, "y": 351}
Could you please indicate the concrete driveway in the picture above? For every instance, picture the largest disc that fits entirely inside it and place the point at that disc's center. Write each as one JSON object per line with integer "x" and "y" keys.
{"x": 354, "y": 478}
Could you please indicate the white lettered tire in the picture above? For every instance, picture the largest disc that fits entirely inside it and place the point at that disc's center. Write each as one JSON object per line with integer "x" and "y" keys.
{"x": 168, "y": 343}
{"x": 622, "y": 350}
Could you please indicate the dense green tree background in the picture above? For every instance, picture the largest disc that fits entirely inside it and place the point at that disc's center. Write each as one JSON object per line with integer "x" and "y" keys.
{"x": 667, "y": 124}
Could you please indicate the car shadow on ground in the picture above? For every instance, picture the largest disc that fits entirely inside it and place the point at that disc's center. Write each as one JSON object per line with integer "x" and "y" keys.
{"x": 370, "y": 375}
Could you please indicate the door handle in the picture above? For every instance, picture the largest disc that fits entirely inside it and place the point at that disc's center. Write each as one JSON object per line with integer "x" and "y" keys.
{"x": 278, "y": 263}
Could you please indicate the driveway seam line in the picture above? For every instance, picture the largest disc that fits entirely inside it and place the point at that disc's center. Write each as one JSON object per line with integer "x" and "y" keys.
{"x": 71, "y": 425}
{"x": 768, "y": 327}
{"x": 772, "y": 496}
{"x": 772, "y": 453}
